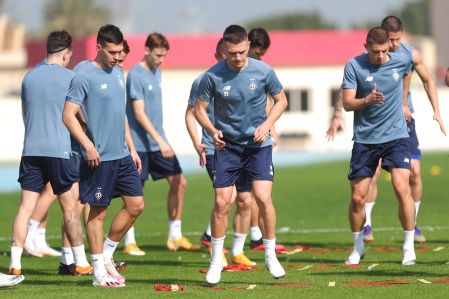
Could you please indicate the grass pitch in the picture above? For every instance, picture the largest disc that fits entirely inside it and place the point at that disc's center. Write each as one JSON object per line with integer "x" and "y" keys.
{"x": 311, "y": 203}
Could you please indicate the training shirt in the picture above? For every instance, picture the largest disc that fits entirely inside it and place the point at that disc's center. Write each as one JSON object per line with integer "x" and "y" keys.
{"x": 101, "y": 92}
{"x": 143, "y": 84}
{"x": 44, "y": 89}
{"x": 408, "y": 50}
{"x": 378, "y": 123}
{"x": 240, "y": 98}
{"x": 206, "y": 139}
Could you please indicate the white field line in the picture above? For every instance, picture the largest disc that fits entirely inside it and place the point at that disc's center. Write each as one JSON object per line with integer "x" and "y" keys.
{"x": 280, "y": 232}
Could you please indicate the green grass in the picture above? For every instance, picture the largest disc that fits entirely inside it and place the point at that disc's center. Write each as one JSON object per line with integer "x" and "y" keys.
{"x": 307, "y": 198}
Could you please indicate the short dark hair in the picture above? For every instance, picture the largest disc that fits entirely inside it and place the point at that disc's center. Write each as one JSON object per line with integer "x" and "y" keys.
{"x": 235, "y": 34}
{"x": 377, "y": 35}
{"x": 109, "y": 34}
{"x": 219, "y": 47}
{"x": 157, "y": 40}
{"x": 259, "y": 38}
{"x": 58, "y": 41}
{"x": 392, "y": 24}
{"x": 126, "y": 48}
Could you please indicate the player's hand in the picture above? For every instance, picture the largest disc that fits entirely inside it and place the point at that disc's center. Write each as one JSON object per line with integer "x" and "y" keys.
{"x": 166, "y": 150}
{"x": 261, "y": 133}
{"x": 92, "y": 157}
{"x": 375, "y": 97}
{"x": 201, "y": 151}
{"x": 336, "y": 125}
{"x": 407, "y": 113}
{"x": 438, "y": 119}
{"x": 218, "y": 140}
{"x": 137, "y": 160}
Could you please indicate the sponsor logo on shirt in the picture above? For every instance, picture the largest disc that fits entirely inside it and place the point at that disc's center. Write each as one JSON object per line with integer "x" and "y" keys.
{"x": 226, "y": 90}
{"x": 252, "y": 84}
{"x": 150, "y": 87}
{"x": 103, "y": 86}
{"x": 369, "y": 78}
{"x": 395, "y": 75}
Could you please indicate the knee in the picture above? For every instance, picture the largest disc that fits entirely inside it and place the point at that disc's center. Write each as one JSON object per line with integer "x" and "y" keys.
{"x": 136, "y": 208}
{"x": 222, "y": 205}
{"x": 244, "y": 203}
{"x": 179, "y": 184}
{"x": 357, "y": 201}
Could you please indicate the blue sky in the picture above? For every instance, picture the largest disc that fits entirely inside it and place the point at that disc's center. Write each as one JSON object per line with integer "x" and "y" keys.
{"x": 181, "y": 16}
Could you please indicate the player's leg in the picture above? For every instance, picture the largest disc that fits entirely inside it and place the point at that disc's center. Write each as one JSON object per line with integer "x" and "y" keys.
{"x": 241, "y": 224}
{"x": 369, "y": 204}
{"x": 416, "y": 192}
{"x": 255, "y": 231}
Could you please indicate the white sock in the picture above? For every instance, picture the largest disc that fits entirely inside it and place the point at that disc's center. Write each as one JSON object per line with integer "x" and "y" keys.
{"x": 109, "y": 247}
{"x": 238, "y": 243}
{"x": 16, "y": 255}
{"x": 217, "y": 249}
{"x": 98, "y": 264}
{"x": 368, "y": 208}
{"x": 130, "y": 237}
{"x": 270, "y": 246}
{"x": 409, "y": 238}
{"x": 174, "y": 232}
{"x": 32, "y": 227}
{"x": 208, "y": 230}
{"x": 79, "y": 255}
{"x": 359, "y": 246}
{"x": 39, "y": 239}
{"x": 67, "y": 256}
{"x": 255, "y": 233}
{"x": 417, "y": 204}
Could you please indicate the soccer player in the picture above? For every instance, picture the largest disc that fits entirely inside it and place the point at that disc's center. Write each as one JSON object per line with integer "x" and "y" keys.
{"x": 373, "y": 89}
{"x": 124, "y": 53}
{"x": 46, "y": 155}
{"x": 241, "y": 134}
{"x": 110, "y": 164}
{"x": 144, "y": 110}
{"x": 205, "y": 149}
{"x": 393, "y": 25}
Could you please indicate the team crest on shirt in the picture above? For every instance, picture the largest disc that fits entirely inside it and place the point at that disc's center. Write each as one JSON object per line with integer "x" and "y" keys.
{"x": 121, "y": 82}
{"x": 252, "y": 84}
{"x": 226, "y": 90}
{"x": 98, "y": 194}
{"x": 103, "y": 86}
{"x": 395, "y": 75}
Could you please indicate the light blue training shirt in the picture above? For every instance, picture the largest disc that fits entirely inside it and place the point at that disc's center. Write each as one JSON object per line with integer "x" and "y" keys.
{"x": 101, "y": 93}
{"x": 44, "y": 89}
{"x": 143, "y": 84}
{"x": 206, "y": 139}
{"x": 240, "y": 98}
{"x": 408, "y": 50}
{"x": 378, "y": 123}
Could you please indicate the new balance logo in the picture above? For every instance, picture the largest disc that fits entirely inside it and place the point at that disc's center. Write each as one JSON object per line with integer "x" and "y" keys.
{"x": 407, "y": 160}
{"x": 103, "y": 86}
{"x": 369, "y": 78}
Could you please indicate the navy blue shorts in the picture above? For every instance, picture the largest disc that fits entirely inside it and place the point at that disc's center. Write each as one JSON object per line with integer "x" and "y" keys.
{"x": 243, "y": 183}
{"x": 365, "y": 157}
{"x": 36, "y": 172}
{"x": 415, "y": 152}
{"x": 111, "y": 179}
{"x": 154, "y": 164}
{"x": 235, "y": 161}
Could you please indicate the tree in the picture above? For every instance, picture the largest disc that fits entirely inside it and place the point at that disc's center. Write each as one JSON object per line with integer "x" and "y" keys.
{"x": 294, "y": 21}
{"x": 78, "y": 17}
{"x": 415, "y": 17}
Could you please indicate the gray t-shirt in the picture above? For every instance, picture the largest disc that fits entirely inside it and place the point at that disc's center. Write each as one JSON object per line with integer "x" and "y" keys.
{"x": 101, "y": 92}
{"x": 240, "y": 99}
{"x": 44, "y": 90}
{"x": 378, "y": 123}
{"x": 142, "y": 84}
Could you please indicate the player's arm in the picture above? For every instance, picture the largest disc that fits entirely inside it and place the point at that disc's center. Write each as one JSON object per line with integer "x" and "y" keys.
{"x": 69, "y": 117}
{"x": 279, "y": 106}
{"x": 138, "y": 106}
{"x": 132, "y": 148}
{"x": 336, "y": 120}
{"x": 191, "y": 129}
{"x": 406, "y": 88}
{"x": 350, "y": 103}
{"x": 274, "y": 133}
{"x": 429, "y": 86}
{"x": 204, "y": 121}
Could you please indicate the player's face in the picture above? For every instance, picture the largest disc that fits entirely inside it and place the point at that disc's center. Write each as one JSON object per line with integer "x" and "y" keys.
{"x": 109, "y": 55}
{"x": 122, "y": 59}
{"x": 257, "y": 52}
{"x": 378, "y": 53}
{"x": 395, "y": 40}
{"x": 154, "y": 58}
{"x": 236, "y": 54}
